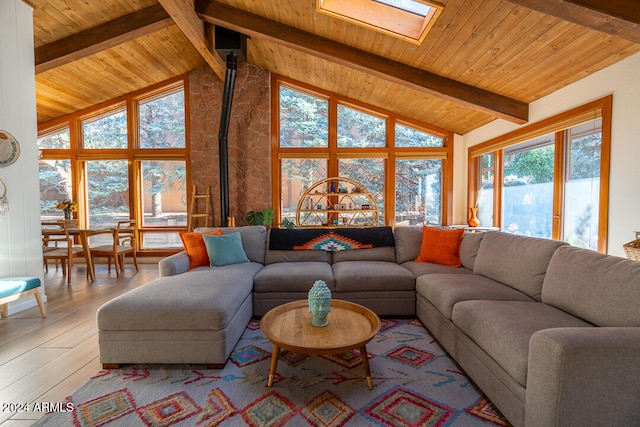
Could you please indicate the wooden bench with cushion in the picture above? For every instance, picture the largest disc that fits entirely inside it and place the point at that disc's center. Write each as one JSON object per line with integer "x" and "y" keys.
{"x": 12, "y": 288}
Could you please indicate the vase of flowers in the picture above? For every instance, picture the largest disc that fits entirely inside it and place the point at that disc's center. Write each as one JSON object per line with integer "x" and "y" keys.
{"x": 68, "y": 207}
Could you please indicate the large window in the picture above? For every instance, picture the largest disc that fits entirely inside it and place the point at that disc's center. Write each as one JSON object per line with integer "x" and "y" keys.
{"x": 418, "y": 191}
{"x": 106, "y": 131}
{"x": 527, "y": 187}
{"x": 118, "y": 171}
{"x": 549, "y": 179}
{"x": 161, "y": 121}
{"x": 357, "y": 129}
{"x": 405, "y": 165}
{"x": 485, "y": 197}
{"x": 303, "y": 119}
{"x": 367, "y": 172}
{"x": 107, "y": 192}
{"x": 55, "y": 187}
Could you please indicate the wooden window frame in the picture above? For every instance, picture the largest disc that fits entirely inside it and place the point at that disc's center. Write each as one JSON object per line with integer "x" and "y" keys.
{"x": 390, "y": 152}
{"x": 383, "y": 18}
{"x": 133, "y": 154}
{"x": 600, "y": 108}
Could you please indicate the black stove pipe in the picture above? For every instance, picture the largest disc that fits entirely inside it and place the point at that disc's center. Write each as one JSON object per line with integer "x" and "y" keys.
{"x": 227, "y": 98}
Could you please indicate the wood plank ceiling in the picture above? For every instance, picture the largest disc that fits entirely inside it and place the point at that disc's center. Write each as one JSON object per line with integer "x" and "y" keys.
{"x": 481, "y": 60}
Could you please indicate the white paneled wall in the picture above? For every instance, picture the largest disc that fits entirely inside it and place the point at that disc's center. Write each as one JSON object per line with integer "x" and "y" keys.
{"x": 20, "y": 241}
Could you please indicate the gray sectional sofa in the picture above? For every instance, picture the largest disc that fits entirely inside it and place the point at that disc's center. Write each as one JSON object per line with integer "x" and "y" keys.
{"x": 549, "y": 332}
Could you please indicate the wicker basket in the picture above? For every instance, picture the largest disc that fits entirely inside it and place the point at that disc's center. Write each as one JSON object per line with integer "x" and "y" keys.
{"x": 632, "y": 250}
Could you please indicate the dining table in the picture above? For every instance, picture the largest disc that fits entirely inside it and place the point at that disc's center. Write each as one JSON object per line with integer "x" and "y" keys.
{"x": 83, "y": 235}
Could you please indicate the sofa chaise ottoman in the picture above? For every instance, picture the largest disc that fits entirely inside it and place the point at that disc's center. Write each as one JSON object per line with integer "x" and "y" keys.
{"x": 192, "y": 318}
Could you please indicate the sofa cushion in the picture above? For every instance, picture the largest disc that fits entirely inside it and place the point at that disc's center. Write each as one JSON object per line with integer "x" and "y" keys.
{"x": 292, "y": 276}
{"x": 387, "y": 253}
{"x": 602, "y": 289}
{"x": 254, "y": 239}
{"x": 408, "y": 241}
{"x": 195, "y": 248}
{"x": 440, "y": 246}
{"x": 274, "y": 256}
{"x": 469, "y": 248}
{"x": 202, "y": 299}
{"x": 372, "y": 276}
{"x": 421, "y": 268}
{"x": 14, "y": 285}
{"x": 225, "y": 250}
{"x": 503, "y": 329}
{"x": 444, "y": 291}
{"x": 516, "y": 261}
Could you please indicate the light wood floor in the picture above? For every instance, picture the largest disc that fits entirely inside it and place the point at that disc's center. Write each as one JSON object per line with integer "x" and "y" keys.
{"x": 45, "y": 360}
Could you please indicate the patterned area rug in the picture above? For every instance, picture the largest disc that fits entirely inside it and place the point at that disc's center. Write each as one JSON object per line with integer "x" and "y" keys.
{"x": 415, "y": 384}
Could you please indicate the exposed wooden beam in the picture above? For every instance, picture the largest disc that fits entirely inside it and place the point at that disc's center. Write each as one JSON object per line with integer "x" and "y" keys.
{"x": 402, "y": 74}
{"x": 193, "y": 28}
{"x": 101, "y": 37}
{"x": 620, "y": 18}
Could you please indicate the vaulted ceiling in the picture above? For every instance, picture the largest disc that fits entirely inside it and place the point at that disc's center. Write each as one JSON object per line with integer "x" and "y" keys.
{"x": 482, "y": 60}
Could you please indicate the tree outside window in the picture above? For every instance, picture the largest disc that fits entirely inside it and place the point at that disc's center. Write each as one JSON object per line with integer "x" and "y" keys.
{"x": 106, "y": 132}
{"x": 554, "y": 177}
{"x": 321, "y": 135}
{"x": 303, "y": 118}
{"x": 527, "y": 201}
{"x": 55, "y": 186}
{"x": 418, "y": 192}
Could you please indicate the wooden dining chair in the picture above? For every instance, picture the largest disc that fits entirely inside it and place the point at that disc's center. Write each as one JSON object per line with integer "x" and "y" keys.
{"x": 124, "y": 242}
{"x": 57, "y": 245}
{"x": 47, "y": 245}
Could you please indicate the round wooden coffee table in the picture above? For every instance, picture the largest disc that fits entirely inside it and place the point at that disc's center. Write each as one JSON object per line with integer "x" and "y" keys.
{"x": 351, "y": 326}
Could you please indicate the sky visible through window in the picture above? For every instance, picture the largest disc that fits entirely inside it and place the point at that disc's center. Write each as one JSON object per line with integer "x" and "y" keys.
{"x": 411, "y": 6}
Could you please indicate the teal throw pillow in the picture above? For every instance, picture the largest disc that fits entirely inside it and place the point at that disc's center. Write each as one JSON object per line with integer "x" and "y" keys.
{"x": 225, "y": 250}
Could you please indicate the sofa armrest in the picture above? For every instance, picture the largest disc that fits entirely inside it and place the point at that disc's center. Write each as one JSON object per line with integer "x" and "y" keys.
{"x": 583, "y": 377}
{"x": 174, "y": 264}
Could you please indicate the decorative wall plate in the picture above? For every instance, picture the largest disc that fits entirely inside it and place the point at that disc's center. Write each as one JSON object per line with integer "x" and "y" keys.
{"x": 9, "y": 149}
{"x": 4, "y": 205}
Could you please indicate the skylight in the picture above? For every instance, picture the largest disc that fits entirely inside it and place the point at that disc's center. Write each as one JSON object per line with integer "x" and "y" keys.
{"x": 406, "y": 19}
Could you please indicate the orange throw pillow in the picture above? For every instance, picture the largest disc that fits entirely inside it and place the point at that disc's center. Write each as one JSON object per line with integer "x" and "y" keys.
{"x": 441, "y": 246}
{"x": 194, "y": 247}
